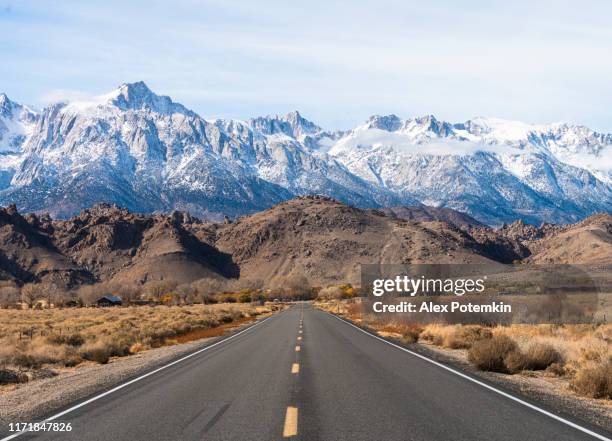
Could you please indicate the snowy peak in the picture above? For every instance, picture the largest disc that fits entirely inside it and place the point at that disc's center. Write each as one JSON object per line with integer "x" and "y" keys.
{"x": 5, "y": 105}
{"x": 138, "y": 96}
{"x": 16, "y": 124}
{"x": 389, "y": 123}
{"x": 427, "y": 124}
{"x": 148, "y": 153}
{"x": 129, "y": 96}
{"x": 10, "y": 109}
{"x": 293, "y": 125}
{"x": 430, "y": 124}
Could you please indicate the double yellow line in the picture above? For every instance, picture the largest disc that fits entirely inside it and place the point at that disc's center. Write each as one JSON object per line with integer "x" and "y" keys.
{"x": 291, "y": 415}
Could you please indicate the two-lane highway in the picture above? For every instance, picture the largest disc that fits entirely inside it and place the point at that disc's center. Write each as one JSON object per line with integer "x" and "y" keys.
{"x": 307, "y": 375}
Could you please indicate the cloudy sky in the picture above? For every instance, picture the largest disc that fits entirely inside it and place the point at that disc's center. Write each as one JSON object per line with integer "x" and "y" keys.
{"x": 336, "y": 62}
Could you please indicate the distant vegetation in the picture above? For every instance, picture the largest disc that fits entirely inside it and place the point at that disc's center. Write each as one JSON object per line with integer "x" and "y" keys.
{"x": 35, "y": 343}
{"x": 294, "y": 286}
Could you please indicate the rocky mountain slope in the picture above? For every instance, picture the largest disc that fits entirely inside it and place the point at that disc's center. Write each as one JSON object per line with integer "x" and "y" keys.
{"x": 150, "y": 154}
{"x": 317, "y": 236}
{"x": 424, "y": 213}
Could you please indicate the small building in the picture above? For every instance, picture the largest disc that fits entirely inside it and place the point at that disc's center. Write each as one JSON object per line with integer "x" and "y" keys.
{"x": 109, "y": 301}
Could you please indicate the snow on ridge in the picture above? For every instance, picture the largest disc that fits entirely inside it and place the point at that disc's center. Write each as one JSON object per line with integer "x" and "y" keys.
{"x": 477, "y": 166}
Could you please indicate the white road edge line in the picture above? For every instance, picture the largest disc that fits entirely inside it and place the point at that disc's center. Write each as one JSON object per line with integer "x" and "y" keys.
{"x": 480, "y": 383}
{"x": 148, "y": 374}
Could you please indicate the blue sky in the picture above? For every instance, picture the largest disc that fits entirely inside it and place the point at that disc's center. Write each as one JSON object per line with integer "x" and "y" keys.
{"x": 336, "y": 62}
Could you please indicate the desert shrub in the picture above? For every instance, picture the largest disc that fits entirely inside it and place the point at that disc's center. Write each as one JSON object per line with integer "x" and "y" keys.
{"x": 227, "y": 319}
{"x": 137, "y": 347}
{"x": 455, "y": 337}
{"x": 208, "y": 299}
{"x": 7, "y": 353}
{"x": 72, "y": 360}
{"x": 45, "y": 353}
{"x": 95, "y": 351}
{"x": 489, "y": 354}
{"x": 119, "y": 347}
{"x": 464, "y": 336}
{"x": 229, "y": 299}
{"x": 556, "y": 369}
{"x": 433, "y": 334}
{"x": 412, "y": 333}
{"x": 99, "y": 333}
{"x": 75, "y": 339}
{"x": 515, "y": 361}
{"x": 25, "y": 360}
{"x": 245, "y": 298}
{"x": 594, "y": 381}
{"x": 36, "y": 353}
{"x": 541, "y": 355}
{"x": 537, "y": 357}
{"x": 10, "y": 376}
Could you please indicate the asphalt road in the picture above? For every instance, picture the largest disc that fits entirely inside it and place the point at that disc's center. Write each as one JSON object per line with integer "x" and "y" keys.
{"x": 329, "y": 382}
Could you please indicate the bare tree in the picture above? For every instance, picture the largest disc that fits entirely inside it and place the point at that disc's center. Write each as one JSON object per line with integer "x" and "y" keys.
{"x": 88, "y": 294}
{"x": 30, "y": 293}
{"x": 294, "y": 286}
{"x": 185, "y": 293}
{"x": 9, "y": 296}
{"x": 51, "y": 292}
{"x": 127, "y": 292}
{"x": 208, "y": 286}
{"x": 331, "y": 293}
{"x": 158, "y": 289}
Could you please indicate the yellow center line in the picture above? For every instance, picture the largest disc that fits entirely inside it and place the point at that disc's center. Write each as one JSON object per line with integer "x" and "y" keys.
{"x": 295, "y": 368}
{"x": 291, "y": 422}
{"x": 297, "y": 348}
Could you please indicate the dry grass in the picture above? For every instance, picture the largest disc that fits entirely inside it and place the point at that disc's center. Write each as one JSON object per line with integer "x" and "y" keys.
{"x": 67, "y": 337}
{"x": 567, "y": 351}
{"x": 594, "y": 381}
{"x": 455, "y": 337}
{"x": 490, "y": 354}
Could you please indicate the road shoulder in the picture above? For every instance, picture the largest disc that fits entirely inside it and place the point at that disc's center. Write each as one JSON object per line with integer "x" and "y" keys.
{"x": 34, "y": 400}
{"x": 535, "y": 389}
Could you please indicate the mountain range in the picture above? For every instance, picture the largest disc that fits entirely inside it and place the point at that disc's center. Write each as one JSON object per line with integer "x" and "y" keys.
{"x": 321, "y": 238}
{"x": 147, "y": 153}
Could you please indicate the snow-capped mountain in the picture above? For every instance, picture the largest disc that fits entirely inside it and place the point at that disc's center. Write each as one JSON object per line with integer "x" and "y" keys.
{"x": 493, "y": 169}
{"x": 148, "y": 153}
{"x": 16, "y": 125}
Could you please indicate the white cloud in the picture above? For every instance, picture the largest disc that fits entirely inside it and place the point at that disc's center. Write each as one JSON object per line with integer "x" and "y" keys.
{"x": 406, "y": 144}
{"x": 65, "y": 95}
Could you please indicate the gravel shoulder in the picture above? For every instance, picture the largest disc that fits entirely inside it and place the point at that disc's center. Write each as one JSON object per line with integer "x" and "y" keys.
{"x": 29, "y": 402}
{"x": 552, "y": 392}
